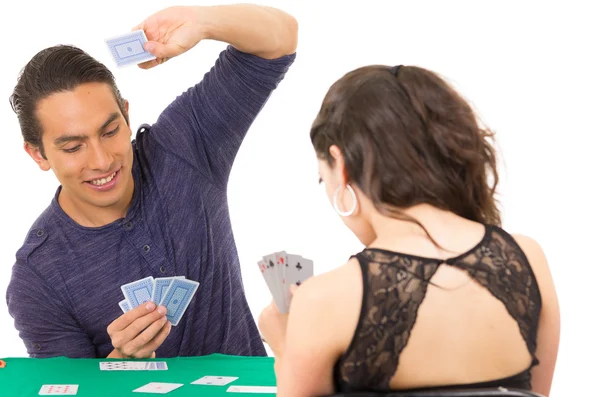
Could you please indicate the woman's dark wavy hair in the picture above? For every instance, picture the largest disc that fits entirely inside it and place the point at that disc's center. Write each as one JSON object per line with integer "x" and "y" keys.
{"x": 408, "y": 138}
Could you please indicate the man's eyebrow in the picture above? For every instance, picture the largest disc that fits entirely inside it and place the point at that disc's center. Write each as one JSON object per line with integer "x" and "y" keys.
{"x": 110, "y": 119}
{"x": 70, "y": 137}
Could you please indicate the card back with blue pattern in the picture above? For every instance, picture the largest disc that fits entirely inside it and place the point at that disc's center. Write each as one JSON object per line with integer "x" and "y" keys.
{"x": 178, "y": 297}
{"x": 128, "y": 49}
{"x": 138, "y": 292}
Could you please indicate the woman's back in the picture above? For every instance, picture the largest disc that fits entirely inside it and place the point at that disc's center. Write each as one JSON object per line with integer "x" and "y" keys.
{"x": 426, "y": 322}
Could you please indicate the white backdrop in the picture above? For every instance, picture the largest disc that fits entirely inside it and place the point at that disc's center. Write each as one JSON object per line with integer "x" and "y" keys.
{"x": 530, "y": 70}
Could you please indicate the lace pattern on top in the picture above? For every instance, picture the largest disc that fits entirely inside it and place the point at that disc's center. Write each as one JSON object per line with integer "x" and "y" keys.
{"x": 394, "y": 286}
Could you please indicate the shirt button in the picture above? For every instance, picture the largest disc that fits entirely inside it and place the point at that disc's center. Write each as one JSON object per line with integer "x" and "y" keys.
{"x": 39, "y": 233}
{"x": 162, "y": 269}
{"x": 128, "y": 225}
{"x": 37, "y": 347}
{"x": 146, "y": 248}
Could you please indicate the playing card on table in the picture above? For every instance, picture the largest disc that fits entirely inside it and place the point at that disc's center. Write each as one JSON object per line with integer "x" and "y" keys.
{"x": 133, "y": 366}
{"x": 177, "y": 298}
{"x": 215, "y": 380}
{"x": 158, "y": 387}
{"x": 138, "y": 292}
{"x": 128, "y": 48}
{"x": 65, "y": 390}
{"x": 252, "y": 389}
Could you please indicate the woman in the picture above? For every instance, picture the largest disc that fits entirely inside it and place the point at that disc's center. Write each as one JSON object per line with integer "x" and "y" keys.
{"x": 441, "y": 296}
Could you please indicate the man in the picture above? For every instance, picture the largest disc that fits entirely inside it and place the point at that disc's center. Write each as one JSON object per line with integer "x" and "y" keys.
{"x": 156, "y": 205}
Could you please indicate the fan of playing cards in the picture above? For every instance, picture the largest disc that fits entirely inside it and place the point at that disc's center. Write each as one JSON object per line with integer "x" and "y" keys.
{"x": 280, "y": 270}
{"x": 174, "y": 293}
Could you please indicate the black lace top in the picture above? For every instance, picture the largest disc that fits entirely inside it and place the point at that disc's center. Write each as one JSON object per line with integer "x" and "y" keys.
{"x": 394, "y": 286}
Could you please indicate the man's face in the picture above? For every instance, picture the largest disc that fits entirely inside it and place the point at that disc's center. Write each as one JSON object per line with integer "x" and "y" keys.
{"x": 87, "y": 143}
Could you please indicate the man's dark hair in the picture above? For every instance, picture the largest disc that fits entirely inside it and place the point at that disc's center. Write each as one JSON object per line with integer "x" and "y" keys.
{"x": 55, "y": 69}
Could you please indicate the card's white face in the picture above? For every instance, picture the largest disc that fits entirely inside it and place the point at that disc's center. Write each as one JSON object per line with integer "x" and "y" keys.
{"x": 63, "y": 390}
{"x": 253, "y": 389}
{"x": 158, "y": 387}
{"x": 215, "y": 380}
{"x": 280, "y": 270}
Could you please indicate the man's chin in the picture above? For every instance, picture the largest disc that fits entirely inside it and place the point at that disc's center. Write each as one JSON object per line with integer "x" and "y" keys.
{"x": 107, "y": 203}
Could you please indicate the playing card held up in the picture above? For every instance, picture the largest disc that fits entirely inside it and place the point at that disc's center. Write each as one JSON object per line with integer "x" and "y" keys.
{"x": 280, "y": 270}
{"x": 128, "y": 48}
{"x": 175, "y": 293}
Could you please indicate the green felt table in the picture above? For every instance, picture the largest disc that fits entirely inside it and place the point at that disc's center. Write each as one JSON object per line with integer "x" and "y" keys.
{"x": 25, "y": 376}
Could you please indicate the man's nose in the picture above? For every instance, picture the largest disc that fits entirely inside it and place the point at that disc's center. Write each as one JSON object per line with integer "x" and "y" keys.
{"x": 99, "y": 158}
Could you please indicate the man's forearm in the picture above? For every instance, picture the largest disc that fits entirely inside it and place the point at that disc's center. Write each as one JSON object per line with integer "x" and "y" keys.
{"x": 263, "y": 31}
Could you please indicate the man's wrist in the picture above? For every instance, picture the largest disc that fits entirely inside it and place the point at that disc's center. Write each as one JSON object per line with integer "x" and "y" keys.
{"x": 206, "y": 22}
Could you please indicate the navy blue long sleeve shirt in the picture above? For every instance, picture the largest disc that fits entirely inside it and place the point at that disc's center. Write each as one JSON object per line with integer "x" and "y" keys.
{"x": 65, "y": 285}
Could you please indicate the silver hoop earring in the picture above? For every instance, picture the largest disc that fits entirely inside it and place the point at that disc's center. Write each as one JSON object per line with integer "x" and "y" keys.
{"x": 354, "y": 202}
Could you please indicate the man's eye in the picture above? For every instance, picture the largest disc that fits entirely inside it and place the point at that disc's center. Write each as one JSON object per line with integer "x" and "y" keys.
{"x": 112, "y": 133}
{"x": 72, "y": 149}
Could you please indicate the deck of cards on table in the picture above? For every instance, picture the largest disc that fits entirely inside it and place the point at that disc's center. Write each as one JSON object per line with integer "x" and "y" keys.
{"x": 280, "y": 270}
{"x": 128, "y": 49}
{"x": 133, "y": 366}
{"x": 174, "y": 293}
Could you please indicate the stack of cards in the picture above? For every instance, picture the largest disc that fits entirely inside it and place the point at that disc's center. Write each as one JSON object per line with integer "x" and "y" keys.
{"x": 133, "y": 366}
{"x": 280, "y": 270}
{"x": 128, "y": 48}
{"x": 174, "y": 293}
